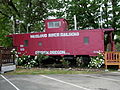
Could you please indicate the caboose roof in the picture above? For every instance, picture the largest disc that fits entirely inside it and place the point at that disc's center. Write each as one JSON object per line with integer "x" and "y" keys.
{"x": 104, "y": 30}
{"x": 110, "y": 29}
{"x": 50, "y": 20}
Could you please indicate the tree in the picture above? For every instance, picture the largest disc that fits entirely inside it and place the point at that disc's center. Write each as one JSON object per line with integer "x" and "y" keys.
{"x": 111, "y": 16}
{"x": 32, "y": 12}
{"x": 5, "y": 30}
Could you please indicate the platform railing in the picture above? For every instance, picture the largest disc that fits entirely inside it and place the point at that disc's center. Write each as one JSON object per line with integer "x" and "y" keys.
{"x": 112, "y": 58}
{"x": 6, "y": 57}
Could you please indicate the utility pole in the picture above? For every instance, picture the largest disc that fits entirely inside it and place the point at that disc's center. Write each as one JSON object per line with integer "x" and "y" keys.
{"x": 28, "y": 27}
{"x": 75, "y": 22}
{"x": 13, "y": 24}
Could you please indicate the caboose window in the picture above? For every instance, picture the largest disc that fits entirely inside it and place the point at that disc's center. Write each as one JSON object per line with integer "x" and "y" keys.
{"x": 25, "y": 43}
{"x": 39, "y": 43}
{"x": 86, "y": 40}
{"x": 55, "y": 24}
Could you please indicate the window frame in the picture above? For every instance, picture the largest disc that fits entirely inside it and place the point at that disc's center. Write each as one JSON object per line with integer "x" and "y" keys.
{"x": 86, "y": 40}
{"x": 54, "y": 24}
{"x": 26, "y": 43}
{"x": 40, "y": 43}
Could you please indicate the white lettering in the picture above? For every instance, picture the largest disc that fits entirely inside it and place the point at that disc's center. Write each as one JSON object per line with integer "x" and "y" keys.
{"x": 50, "y": 52}
{"x": 38, "y": 36}
{"x": 55, "y": 35}
{"x": 22, "y": 49}
{"x": 57, "y": 52}
{"x": 21, "y": 45}
{"x": 41, "y": 52}
{"x": 70, "y": 34}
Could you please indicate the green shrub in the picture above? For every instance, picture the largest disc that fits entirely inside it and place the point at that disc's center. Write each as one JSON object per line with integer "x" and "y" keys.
{"x": 40, "y": 58}
{"x": 65, "y": 63}
{"x": 79, "y": 61}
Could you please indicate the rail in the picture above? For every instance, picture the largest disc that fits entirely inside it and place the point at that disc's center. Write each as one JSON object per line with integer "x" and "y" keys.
{"x": 112, "y": 58}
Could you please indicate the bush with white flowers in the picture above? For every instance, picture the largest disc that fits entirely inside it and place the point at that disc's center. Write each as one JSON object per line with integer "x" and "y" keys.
{"x": 14, "y": 52}
{"x": 27, "y": 61}
{"x": 31, "y": 61}
{"x": 96, "y": 62}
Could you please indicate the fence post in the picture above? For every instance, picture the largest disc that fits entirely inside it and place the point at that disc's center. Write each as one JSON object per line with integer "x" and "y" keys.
{"x": 119, "y": 60}
{"x": 105, "y": 55}
{"x": 14, "y": 59}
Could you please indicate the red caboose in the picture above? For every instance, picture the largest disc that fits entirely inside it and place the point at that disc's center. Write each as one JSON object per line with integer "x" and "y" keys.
{"x": 58, "y": 40}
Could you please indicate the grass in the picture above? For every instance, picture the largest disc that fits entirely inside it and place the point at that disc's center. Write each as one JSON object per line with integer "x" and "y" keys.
{"x": 38, "y": 71}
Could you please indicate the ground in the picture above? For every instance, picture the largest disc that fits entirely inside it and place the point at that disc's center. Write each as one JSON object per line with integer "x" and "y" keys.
{"x": 101, "y": 81}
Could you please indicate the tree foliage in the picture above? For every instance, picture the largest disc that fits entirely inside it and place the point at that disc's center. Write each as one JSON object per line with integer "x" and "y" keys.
{"x": 28, "y": 15}
{"x": 32, "y": 13}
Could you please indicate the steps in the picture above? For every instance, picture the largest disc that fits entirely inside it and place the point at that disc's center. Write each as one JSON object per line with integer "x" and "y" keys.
{"x": 7, "y": 67}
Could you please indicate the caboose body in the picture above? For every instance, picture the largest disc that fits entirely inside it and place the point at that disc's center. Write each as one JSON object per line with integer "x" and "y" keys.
{"x": 58, "y": 40}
